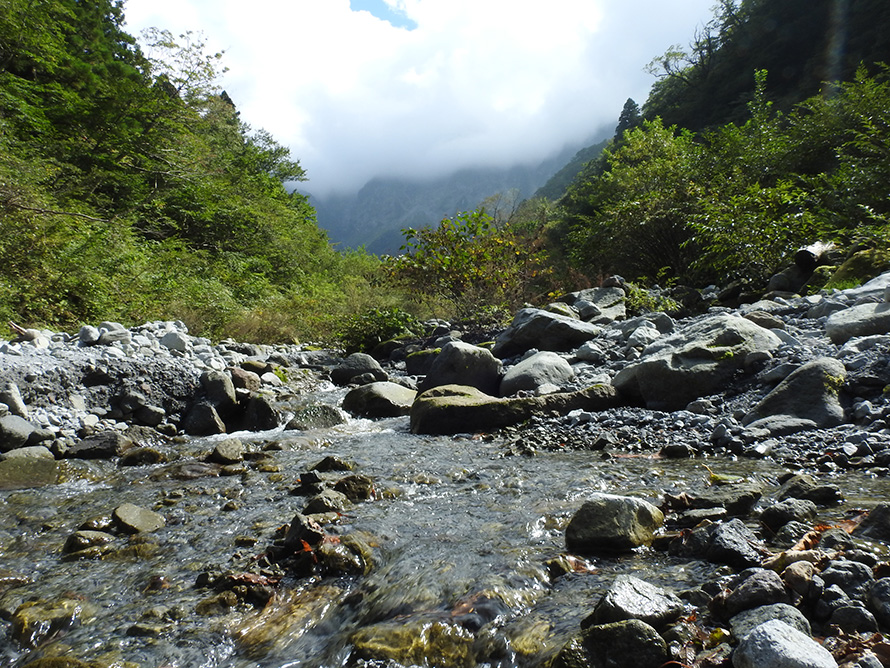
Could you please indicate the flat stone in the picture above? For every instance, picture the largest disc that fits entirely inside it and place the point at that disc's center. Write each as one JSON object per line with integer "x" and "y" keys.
{"x": 631, "y": 598}
{"x": 28, "y": 472}
{"x": 133, "y": 519}
{"x": 379, "y": 400}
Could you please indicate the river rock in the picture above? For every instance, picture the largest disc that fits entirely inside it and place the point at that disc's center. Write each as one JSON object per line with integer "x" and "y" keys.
{"x": 854, "y": 578}
{"x": 775, "y": 644}
{"x": 327, "y": 501}
{"x": 176, "y": 341}
{"x": 762, "y": 587}
{"x": 12, "y": 397}
{"x": 536, "y": 328}
{"x": 259, "y": 415}
{"x": 738, "y": 498}
{"x": 131, "y": 518}
{"x": 15, "y": 431}
{"x": 414, "y": 642}
{"x": 804, "y": 486}
{"x": 876, "y": 525}
{"x": 461, "y": 363}
{"x": 879, "y": 600}
{"x": 453, "y": 409}
{"x": 29, "y": 451}
{"x": 203, "y": 420}
{"x": 729, "y": 542}
{"x": 245, "y": 380}
{"x": 777, "y": 515}
{"x": 746, "y": 621}
{"x": 861, "y": 320}
{"x": 220, "y": 390}
{"x": 599, "y": 305}
{"x": 104, "y": 445}
{"x": 532, "y": 372}
{"x": 379, "y": 400}
{"x": 631, "y": 598}
{"x": 612, "y": 523}
{"x": 302, "y": 529}
{"x": 809, "y": 393}
{"x": 357, "y": 364}
{"x": 317, "y": 416}
{"x": 27, "y": 472}
{"x": 696, "y": 361}
{"x": 35, "y": 621}
{"x": 82, "y": 540}
{"x": 626, "y": 644}
{"x": 229, "y": 451}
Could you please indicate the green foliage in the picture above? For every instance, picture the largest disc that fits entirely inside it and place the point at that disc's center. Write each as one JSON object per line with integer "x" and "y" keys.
{"x": 470, "y": 262}
{"x": 130, "y": 188}
{"x": 363, "y": 332}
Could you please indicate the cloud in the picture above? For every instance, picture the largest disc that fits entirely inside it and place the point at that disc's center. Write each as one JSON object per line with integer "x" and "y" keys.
{"x": 476, "y": 82}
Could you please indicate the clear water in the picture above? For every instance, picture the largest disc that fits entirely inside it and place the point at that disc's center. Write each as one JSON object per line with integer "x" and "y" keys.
{"x": 461, "y": 535}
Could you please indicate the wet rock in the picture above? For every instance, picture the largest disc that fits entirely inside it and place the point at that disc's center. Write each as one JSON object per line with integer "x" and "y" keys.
{"x": 327, "y": 501}
{"x": 81, "y": 540}
{"x": 854, "y": 578}
{"x": 350, "y": 556}
{"x": 142, "y": 456}
{"x": 536, "y": 328}
{"x": 762, "y": 587}
{"x": 876, "y": 525}
{"x": 610, "y": 523}
{"x": 302, "y": 529}
{"x": 379, "y": 400}
{"x": 356, "y": 487}
{"x": 29, "y": 451}
{"x": 774, "y": 644}
{"x": 414, "y": 643}
{"x": 809, "y": 393}
{"x": 203, "y": 420}
{"x": 452, "y": 409}
{"x": 730, "y": 543}
{"x": 356, "y": 365}
{"x": 532, "y": 372}
{"x": 319, "y": 416}
{"x": 853, "y": 619}
{"x": 28, "y": 472}
{"x": 737, "y": 499}
{"x": 627, "y": 644}
{"x": 777, "y": 515}
{"x": 746, "y": 621}
{"x": 803, "y": 486}
{"x": 133, "y": 519}
{"x": 695, "y": 361}
{"x": 631, "y": 598}
{"x": 219, "y": 390}
{"x": 464, "y": 364}
{"x": 104, "y": 445}
{"x": 879, "y": 600}
{"x": 218, "y": 604}
{"x": 36, "y": 621}
{"x": 15, "y": 431}
{"x": 331, "y": 463}
{"x": 229, "y": 451}
{"x": 259, "y": 415}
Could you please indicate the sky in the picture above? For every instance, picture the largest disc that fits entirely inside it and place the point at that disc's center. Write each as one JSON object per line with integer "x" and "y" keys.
{"x": 421, "y": 88}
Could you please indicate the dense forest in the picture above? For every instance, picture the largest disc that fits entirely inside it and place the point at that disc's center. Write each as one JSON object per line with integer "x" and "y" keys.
{"x": 130, "y": 189}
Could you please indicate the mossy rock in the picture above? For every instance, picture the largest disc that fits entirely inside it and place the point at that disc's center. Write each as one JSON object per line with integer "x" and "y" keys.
{"x": 860, "y": 268}
{"x": 417, "y": 642}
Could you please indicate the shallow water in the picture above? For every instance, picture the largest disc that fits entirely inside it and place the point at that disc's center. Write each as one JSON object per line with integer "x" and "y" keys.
{"x": 461, "y": 536}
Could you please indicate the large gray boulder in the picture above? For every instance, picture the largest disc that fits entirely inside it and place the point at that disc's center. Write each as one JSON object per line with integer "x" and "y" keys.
{"x": 462, "y": 363}
{"x": 612, "y": 523}
{"x": 536, "y": 328}
{"x": 355, "y": 366}
{"x": 598, "y": 305}
{"x": 379, "y": 400}
{"x": 775, "y": 644}
{"x": 808, "y": 393}
{"x": 15, "y": 432}
{"x": 696, "y": 361}
{"x": 531, "y": 373}
{"x": 627, "y": 644}
{"x": 862, "y": 320}
{"x": 455, "y": 409}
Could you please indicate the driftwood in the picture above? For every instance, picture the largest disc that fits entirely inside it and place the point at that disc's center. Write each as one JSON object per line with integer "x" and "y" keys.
{"x": 810, "y": 257}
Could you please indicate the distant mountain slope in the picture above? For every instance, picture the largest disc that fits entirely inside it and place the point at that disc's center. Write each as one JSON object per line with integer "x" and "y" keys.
{"x": 374, "y": 216}
{"x": 557, "y": 185}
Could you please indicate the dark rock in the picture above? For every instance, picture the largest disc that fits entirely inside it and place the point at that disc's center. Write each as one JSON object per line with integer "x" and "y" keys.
{"x": 763, "y": 587}
{"x": 142, "y": 456}
{"x": 627, "y": 644}
{"x": 355, "y": 487}
{"x": 14, "y": 432}
{"x": 328, "y": 501}
{"x": 229, "y": 451}
{"x": 245, "y": 380}
{"x": 259, "y": 414}
{"x": 738, "y": 499}
{"x": 876, "y": 525}
{"x": 631, "y": 598}
{"x": 777, "y": 515}
{"x": 28, "y": 472}
{"x": 803, "y": 486}
{"x": 853, "y": 619}
{"x": 879, "y": 600}
{"x": 854, "y": 578}
{"x": 303, "y": 529}
{"x": 203, "y": 420}
{"x": 104, "y": 445}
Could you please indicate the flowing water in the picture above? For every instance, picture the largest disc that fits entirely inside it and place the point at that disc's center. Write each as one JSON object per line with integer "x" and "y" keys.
{"x": 461, "y": 534}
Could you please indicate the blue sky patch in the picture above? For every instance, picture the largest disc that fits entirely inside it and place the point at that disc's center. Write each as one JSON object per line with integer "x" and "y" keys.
{"x": 383, "y": 11}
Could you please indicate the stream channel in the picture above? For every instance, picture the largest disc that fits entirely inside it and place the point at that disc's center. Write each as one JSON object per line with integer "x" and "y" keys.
{"x": 461, "y": 533}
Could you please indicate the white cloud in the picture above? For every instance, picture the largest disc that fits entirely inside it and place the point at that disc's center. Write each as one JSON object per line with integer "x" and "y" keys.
{"x": 477, "y": 81}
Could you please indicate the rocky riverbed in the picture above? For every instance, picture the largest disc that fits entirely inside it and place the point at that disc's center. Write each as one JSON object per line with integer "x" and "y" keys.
{"x": 590, "y": 489}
